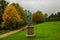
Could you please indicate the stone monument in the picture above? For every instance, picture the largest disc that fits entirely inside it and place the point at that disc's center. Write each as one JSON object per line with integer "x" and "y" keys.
{"x": 30, "y": 28}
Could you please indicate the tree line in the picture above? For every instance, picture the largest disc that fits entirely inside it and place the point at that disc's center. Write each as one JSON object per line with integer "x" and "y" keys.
{"x": 54, "y": 17}
{"x": 13, "y": 16}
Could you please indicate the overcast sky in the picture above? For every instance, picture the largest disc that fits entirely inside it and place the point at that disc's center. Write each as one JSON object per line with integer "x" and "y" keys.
{"x": 46, "y": 6}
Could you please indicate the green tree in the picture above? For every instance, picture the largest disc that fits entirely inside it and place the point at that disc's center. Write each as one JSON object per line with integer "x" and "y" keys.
{"x": 3, "y": 5}
{"x": 53, "y": 17}
{"x": 46, "y": 16}
{"x": 58, "y": 15}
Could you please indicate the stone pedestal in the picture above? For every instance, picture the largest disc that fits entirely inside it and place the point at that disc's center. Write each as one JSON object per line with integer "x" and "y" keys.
{"x": 30, "y": 31}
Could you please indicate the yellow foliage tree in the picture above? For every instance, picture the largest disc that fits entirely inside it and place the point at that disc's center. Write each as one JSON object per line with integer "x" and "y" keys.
{"x": 22, "y": 12}
{"x": 38, "y": 17}
{"x": 11, "y": 18}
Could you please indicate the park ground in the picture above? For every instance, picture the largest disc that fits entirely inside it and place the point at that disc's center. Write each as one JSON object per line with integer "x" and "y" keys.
{"x": 43, "y": 31}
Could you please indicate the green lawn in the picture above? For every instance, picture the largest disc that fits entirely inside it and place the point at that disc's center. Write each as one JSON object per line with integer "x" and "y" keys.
{"x": 44, "y": 31}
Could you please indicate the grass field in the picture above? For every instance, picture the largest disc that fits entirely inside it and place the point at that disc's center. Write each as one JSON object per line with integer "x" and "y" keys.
{"x": 44, "y": 31}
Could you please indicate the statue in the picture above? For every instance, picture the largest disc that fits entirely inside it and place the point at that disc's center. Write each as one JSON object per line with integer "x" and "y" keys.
{"x": 29, "y": 18}
{"x": 30, "y": 28}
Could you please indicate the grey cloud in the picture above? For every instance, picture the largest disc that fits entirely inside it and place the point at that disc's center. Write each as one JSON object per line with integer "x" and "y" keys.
{"x": 46, "y": 6}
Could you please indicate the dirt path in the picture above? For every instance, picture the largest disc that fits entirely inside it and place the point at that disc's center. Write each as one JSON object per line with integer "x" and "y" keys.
{"x": 12, "y": 32}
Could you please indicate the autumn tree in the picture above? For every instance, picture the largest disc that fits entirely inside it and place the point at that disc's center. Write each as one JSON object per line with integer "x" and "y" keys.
{"x": 38, "y": 17}
{"x": 22, "y": 12}
{"x": 11, "y": 17}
